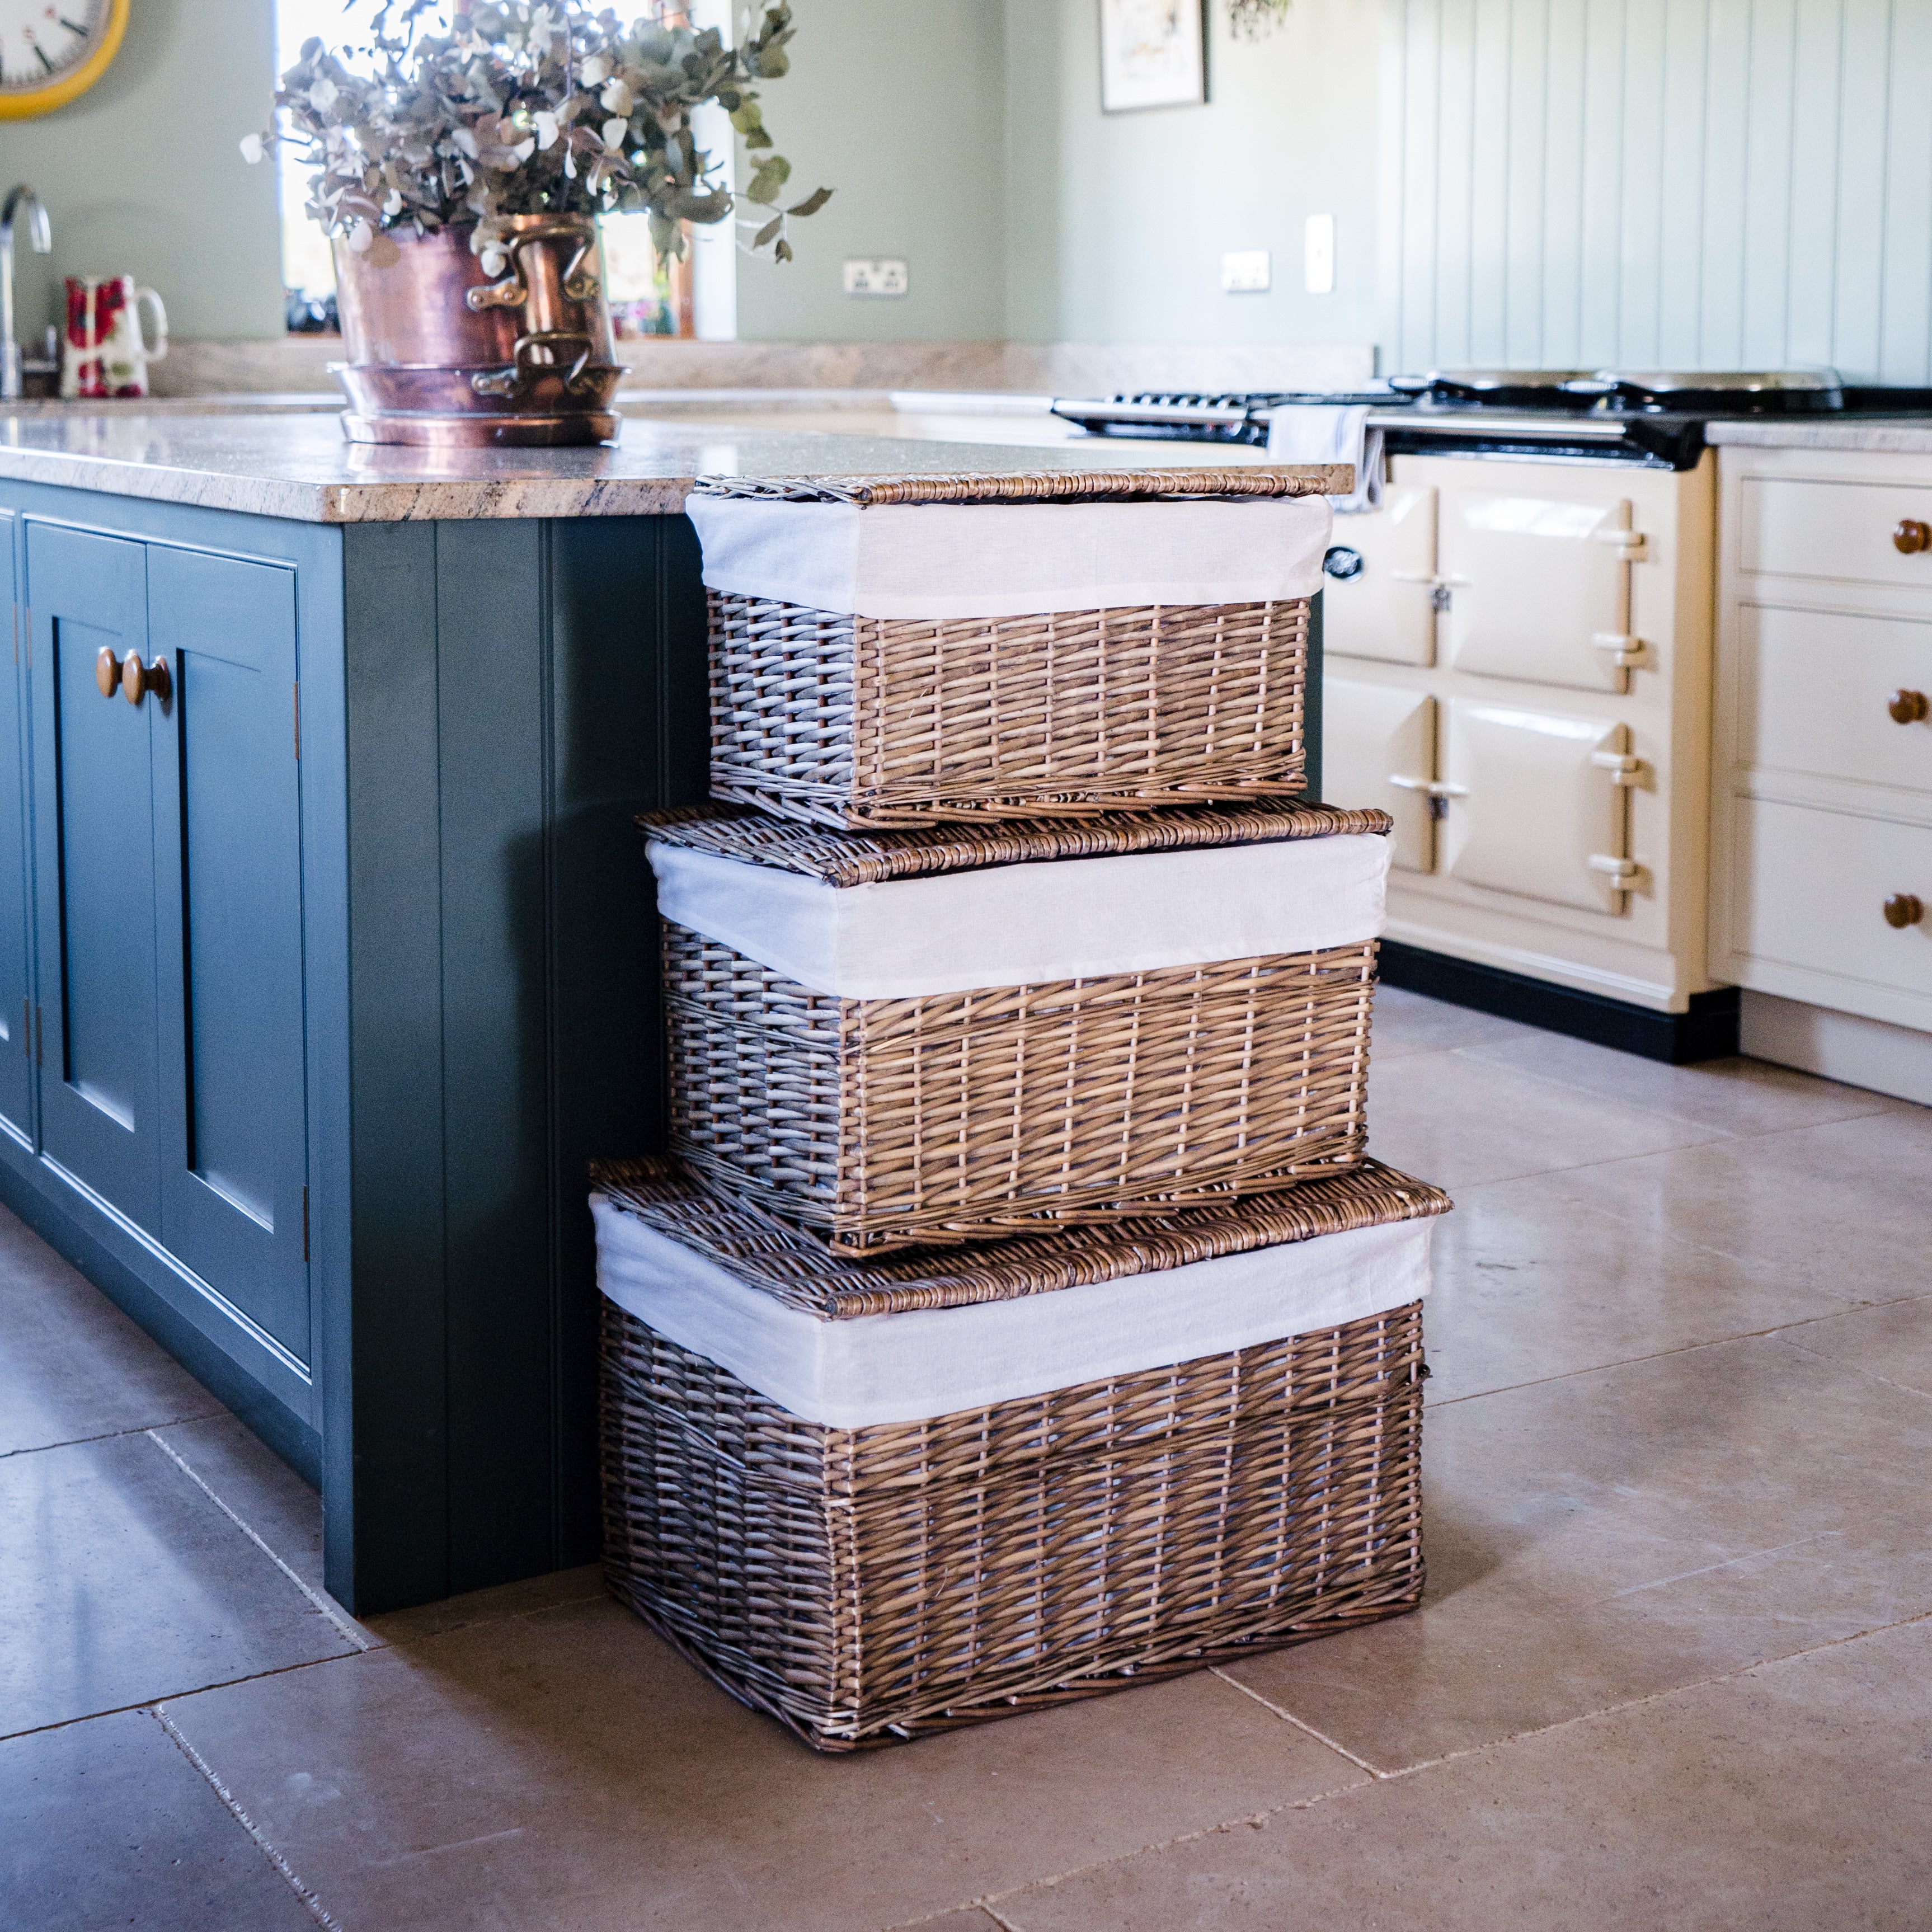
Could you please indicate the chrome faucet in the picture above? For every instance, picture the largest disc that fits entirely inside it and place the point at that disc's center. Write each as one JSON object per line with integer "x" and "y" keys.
{"x": 20, "y": 200}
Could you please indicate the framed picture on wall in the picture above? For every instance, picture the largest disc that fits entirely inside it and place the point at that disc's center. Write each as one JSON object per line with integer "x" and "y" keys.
{"x": 1153, "y": 54}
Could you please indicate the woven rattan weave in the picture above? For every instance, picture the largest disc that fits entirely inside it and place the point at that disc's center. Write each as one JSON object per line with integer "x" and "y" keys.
{"x": 961, "y": 1116}
{"x": 865, "y": 1585}
{"x": 845, "y": 858}
{"x": 770, "y": 1254}
{"x": 853, "y": 721}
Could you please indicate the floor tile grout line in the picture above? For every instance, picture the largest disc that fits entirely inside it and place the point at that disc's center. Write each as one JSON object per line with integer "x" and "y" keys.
{"x": 1887, "y": 1104}
{"x": 1299, "y": 1723}
{"x": 1634, "y": 1106}
{"x": 983, "y": 1904}
{"x": 1779, "y": 1332}
{"x": 349, "y": 1630}
{"x": 175, "y": 1696}
{"x": 308, "y": 1898}
{"x": 111, "y": 1435}
{"x": 1839, "y": 1362}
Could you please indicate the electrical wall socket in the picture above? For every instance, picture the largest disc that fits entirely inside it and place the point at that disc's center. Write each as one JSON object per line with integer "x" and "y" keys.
{"x": 1318, "y": 255}
{"x": 1246, "y": 271}
{"x": 885, "y": 277}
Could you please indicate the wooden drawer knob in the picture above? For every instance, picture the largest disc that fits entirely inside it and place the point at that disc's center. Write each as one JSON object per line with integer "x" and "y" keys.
{"x": 1904, "y": 909}
{"x": 1907, "y": 707}
{"x": 107, "y": 673}
{"x": 137, "y": 679}
{"x": 1912, "y": 535}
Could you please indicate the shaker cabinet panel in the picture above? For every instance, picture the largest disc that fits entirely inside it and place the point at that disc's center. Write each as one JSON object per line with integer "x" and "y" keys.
{"x": 1833, "y": 695}
{"x": 98, "y": 1044}
{"x": 17, "y": 1036}
{"x": 234, "y": 1153}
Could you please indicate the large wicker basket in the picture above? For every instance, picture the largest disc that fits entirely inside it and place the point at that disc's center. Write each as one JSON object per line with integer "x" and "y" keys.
{"x": 868, "y": 1584}
{"x": 849, "y": 720}
{"x": 962, "y": 1115}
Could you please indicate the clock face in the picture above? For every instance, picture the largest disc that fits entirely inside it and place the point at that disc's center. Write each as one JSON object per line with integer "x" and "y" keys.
{"x": 43, "y": 41}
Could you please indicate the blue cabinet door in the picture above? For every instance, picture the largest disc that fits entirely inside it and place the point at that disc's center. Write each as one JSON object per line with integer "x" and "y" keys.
{"x": 94, "y": 840}
{"x": 17, "y": 1036}
{"x": 227, "y": 820}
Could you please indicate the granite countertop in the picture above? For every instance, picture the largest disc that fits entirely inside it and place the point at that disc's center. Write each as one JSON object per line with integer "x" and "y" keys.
{"x": 1906, "y": 436}
{"x": 299, "y": 466}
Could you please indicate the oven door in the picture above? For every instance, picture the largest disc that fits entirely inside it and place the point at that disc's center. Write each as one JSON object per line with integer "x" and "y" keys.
{"x": 1379, "y": 594}
{"x": 1379, "y": 748}
{"x": 1539, "y": 587}
{"x": 1538, "y": 804}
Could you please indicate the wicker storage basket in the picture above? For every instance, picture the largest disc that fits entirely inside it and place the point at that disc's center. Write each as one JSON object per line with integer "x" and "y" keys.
{"x": 952, "y": 1117}
{"x": 866, "y": 1585}
{"x": 843, "y": 718}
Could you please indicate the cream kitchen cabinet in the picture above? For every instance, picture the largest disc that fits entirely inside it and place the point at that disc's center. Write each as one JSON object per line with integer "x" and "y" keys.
{"x": 1517, "y": 667}
{"x": 1822, "y": 793}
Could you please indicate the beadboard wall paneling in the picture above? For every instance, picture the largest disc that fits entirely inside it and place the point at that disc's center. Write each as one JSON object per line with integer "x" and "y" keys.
{"x": 1701, "y": 184}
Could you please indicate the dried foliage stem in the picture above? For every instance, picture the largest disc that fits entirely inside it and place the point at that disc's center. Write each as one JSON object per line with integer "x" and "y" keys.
{"x": 530, "y": 107}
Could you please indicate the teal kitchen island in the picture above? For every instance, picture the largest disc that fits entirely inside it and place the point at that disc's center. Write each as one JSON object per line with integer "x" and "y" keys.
{"x": 327, "y": 957}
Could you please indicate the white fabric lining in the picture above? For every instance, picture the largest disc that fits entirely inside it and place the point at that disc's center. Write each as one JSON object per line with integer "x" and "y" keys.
{"x": 1029, "y": 925}
{"x": 913, "y": 1366}
{"x": 952, "y": 560}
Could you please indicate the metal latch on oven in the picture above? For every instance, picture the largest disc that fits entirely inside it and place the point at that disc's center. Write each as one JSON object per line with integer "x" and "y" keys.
{"x": 1630, "y": 542}
{"x": 1627, "y": 653}
{"x": 1437, "y": 791}
{"x": 1624, "y": 769}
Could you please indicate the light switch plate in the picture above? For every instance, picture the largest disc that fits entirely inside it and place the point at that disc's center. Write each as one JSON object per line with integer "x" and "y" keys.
{"x": 1246, "y": 271}
{"x": 1318, "y": 255}
{"x": 885, "y": 276}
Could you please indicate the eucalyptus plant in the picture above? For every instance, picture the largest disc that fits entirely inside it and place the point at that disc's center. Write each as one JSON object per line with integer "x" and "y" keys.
{"x": 530, "y": 107}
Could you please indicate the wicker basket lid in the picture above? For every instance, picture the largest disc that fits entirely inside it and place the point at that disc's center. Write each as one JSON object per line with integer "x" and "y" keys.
{"x": 768, "y": 1253}
{"x": 869, "y": 858}
{"x": 1036, "y": 486}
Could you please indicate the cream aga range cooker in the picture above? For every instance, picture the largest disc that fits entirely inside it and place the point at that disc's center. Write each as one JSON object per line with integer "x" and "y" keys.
{"x": 1518, "y": 666}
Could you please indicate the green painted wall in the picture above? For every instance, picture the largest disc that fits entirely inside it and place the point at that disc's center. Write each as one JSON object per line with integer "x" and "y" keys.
{"x": 898, "y": 106}
{"x": 1116, "y": 223}
{"x": 141, "y": 175}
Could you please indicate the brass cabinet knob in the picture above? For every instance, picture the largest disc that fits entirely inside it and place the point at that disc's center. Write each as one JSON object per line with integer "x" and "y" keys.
{"x": 1912, "y": 535}
{"x": 1907, "y": 707}
{"x": 107, "y": 673}
{"x": 138, "y": 679}
{"x": 1904, "y": 909}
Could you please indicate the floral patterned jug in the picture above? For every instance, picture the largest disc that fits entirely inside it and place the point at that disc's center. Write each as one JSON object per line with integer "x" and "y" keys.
{"x": 102, "y": 350}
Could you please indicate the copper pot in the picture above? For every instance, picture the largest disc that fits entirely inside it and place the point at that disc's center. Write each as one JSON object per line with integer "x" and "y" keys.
{"x": 441, "y": 353}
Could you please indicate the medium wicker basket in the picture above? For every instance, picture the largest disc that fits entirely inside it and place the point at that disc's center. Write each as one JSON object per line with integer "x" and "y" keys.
{"x": 860, "y": 721}
{"x": 884, "y": 1123}
{"x": 867, "y": 1585}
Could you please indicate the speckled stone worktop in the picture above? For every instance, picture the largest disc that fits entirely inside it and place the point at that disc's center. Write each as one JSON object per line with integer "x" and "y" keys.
{"x": 1905, "y": 435}
{"x": 299, "y": 466}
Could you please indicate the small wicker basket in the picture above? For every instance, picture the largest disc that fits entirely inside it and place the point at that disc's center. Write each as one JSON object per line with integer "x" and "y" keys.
{"x": 857, "y": 721}
{"x": 867, "y": 1585}
{"x": 883, "y": 1122}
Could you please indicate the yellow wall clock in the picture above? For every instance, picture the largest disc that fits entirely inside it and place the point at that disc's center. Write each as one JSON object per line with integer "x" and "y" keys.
{"x": 52, "y": 51}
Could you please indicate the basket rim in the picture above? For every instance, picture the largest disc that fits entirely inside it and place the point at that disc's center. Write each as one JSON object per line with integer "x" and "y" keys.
{"x": 1040, "y": 486}
{"x": 766, "y": 1252}
{"x": 859, "y": 858}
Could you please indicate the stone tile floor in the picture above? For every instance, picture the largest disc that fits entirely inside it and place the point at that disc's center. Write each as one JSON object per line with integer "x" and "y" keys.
{"x": 1674, "y": 1668}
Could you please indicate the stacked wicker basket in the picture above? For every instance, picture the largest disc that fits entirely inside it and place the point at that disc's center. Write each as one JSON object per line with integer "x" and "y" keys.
{"x": 1017, "y": 1314}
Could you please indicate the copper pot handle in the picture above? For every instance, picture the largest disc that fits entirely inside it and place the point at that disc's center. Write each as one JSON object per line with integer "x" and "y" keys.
{"x": 516, "y": 378}
{"x": 512, "y": 291}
